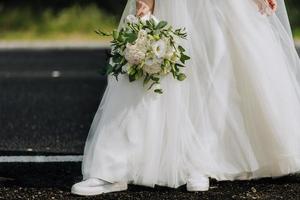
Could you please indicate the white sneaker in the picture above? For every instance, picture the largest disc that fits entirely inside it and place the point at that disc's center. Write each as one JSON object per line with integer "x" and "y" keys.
{"x": 94, "y": 186}
{"x": 198, "y": 184}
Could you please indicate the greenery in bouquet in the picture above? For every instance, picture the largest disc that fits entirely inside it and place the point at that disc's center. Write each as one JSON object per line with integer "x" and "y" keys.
{"x": 146, "y": 48}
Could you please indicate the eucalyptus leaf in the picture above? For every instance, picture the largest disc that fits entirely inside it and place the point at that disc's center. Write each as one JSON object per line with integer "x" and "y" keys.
{"x": 146, "y": 80}
{"x": 156, "y": 79}
{"x": 181, "y": 49}
{"x": 179, "y": 65}
{"x": 101, "y": 33}
{"x": 161, "y": 25}
{"x": 152, "y": 85}
{"x": 159, "y": 91}
{"x": 184, "y": 58}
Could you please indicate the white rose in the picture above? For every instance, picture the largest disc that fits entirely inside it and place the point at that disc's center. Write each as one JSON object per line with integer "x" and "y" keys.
{"x": 142, "y": 44}
{"x": 170, "y": 53}
{"x": 152, "y": 66}
{"x": 159, "y": 48}
{"x": 133, "y": 54}
{"x": 142, "y": 34}
{"x": 132, "y": 19}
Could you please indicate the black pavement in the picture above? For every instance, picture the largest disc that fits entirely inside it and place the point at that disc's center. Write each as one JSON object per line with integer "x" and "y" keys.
{"x": 49, "y": 97}
{"x": 54, "y": 180}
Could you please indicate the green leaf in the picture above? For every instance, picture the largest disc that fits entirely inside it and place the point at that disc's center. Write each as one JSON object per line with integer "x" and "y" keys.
{"x": 179, "y": 65}
{"x": 176, "y": 68}
{"x": 115, "y": 34}
{"x": 184, "y": 58}
{"x": 132, "y": 71}
{"x": 130, "y": 37}
{"x": 159, "y": 91}
{"x": 181, "y": 49}
{"x": 109, "y": 69}
{"x": 138, "y": 74}
{"x": 146, "y": 80}
{"x": 101, "y": 33}
{"x": 118, "y": 67}
{"x": 161, "y": 25}
{"x": 152, "y": 85}
{"x": 121, "y": 38}
{"x": 116, "y": 76}
{"x": 181, "y": 77}
{"x": 174, "y": 73}
{"x": 131, "y": 78}
{"x": 149, "y": 24}
{"x": 117, "y": 58}
{"x": 156, "y": 79}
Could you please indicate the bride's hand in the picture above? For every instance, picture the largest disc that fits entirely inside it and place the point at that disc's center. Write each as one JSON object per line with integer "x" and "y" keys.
{"x": 266, "y": 6}
{"x": 144, "y": 7}
{"x": 273, "y": 5}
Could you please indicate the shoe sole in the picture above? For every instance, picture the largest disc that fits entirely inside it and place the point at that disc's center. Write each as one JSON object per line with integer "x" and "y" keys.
{"x": 197, "y": 189}
{"x": 115, "y": 187}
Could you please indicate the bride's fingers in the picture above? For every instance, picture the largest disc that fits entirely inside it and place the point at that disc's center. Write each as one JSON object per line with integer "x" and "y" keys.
{"x": 143, "y": 8}
{"x": 273, "y": 5}
{"x": 260, "y": 5}
{"x": 266, "y": 7}
{"x": 143, "y": 11}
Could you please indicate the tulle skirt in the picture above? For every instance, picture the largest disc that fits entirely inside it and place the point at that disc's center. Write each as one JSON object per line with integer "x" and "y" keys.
{"x": 236, "y": 116}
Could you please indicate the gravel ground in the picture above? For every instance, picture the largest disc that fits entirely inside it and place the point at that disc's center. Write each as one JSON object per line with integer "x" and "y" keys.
{"x": 53, "y": 181}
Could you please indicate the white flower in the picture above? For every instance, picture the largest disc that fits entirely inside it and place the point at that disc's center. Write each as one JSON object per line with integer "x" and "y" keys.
{"x": 159, "y": 48}
{"x": 152, "y": 65}
{"x": 148, "y": 17}
{"x": 132, "y": 19}
{"x": 167, "y": 70}
{"x": 142, "y": 34}
{"x": 170, "y": 52}
{"x": 133, "y": 54}
{"x": 145, "y": 18}
{"x": 155, "y": 19}
{"x": 142, "y": 44}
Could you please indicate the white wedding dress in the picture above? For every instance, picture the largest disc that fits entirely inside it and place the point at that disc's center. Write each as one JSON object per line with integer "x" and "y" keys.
{"x": 236, "y": 116}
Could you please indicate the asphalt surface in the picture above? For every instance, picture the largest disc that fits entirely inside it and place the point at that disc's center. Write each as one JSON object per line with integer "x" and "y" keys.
{"x": 49, "y": 114}
{"x": 48, "y": 98}
{"x": 54, "y": 180}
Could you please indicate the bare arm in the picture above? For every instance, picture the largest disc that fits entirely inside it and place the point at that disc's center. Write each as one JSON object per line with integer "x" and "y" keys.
{"x": 144, "y": 7}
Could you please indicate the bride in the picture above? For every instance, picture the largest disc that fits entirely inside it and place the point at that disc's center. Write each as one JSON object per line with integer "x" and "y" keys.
{"x": 235, "y": 117}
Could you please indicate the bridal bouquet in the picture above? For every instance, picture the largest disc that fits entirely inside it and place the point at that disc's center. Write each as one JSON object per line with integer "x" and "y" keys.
{"x": 147, "y": 49}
